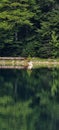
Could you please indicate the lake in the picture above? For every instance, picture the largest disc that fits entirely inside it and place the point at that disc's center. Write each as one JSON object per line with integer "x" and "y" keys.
{"x": 29, "y": 99}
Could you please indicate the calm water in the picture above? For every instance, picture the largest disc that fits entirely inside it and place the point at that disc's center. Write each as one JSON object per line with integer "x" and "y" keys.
{"x": 29, "y": 99}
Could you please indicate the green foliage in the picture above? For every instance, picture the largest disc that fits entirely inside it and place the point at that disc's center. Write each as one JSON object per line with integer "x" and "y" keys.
{"x": 54, "y": 44}
{"x": 26, "y": 28}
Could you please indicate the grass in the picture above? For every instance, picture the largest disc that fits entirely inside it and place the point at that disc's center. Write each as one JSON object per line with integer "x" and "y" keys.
{"x": 37, "y": 62}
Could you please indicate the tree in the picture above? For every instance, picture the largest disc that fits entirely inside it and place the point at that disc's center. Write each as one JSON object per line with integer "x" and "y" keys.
{"x": 26, "y": 27}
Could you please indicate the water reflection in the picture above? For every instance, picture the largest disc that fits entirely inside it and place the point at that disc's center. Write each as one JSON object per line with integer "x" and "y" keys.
{"x": 29, "y": 100}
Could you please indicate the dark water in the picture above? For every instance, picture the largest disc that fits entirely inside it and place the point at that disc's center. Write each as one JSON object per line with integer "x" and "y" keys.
{"x": 29, "y": 99}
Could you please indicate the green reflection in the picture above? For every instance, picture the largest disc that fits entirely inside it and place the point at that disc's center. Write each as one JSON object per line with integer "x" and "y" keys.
{"x": 29, "y": 99}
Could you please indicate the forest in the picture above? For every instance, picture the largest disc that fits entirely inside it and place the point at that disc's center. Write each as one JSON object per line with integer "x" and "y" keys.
{"x": 29, "y": 28}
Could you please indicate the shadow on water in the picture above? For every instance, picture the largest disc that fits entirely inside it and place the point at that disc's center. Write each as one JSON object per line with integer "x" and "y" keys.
{"x": 29, "y": 99}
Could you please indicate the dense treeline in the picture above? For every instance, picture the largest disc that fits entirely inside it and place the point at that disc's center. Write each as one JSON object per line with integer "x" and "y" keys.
{"x": 29, "y": 28}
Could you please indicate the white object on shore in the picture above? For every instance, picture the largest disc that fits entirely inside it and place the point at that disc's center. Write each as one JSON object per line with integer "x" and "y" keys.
{"x": 30, "y": 65}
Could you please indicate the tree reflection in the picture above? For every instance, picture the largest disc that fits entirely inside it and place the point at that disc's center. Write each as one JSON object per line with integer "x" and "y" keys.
{"x": 29, "y": 100}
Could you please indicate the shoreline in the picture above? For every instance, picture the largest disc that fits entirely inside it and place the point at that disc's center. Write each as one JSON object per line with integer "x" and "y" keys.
{"x": 27, "y": 63}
